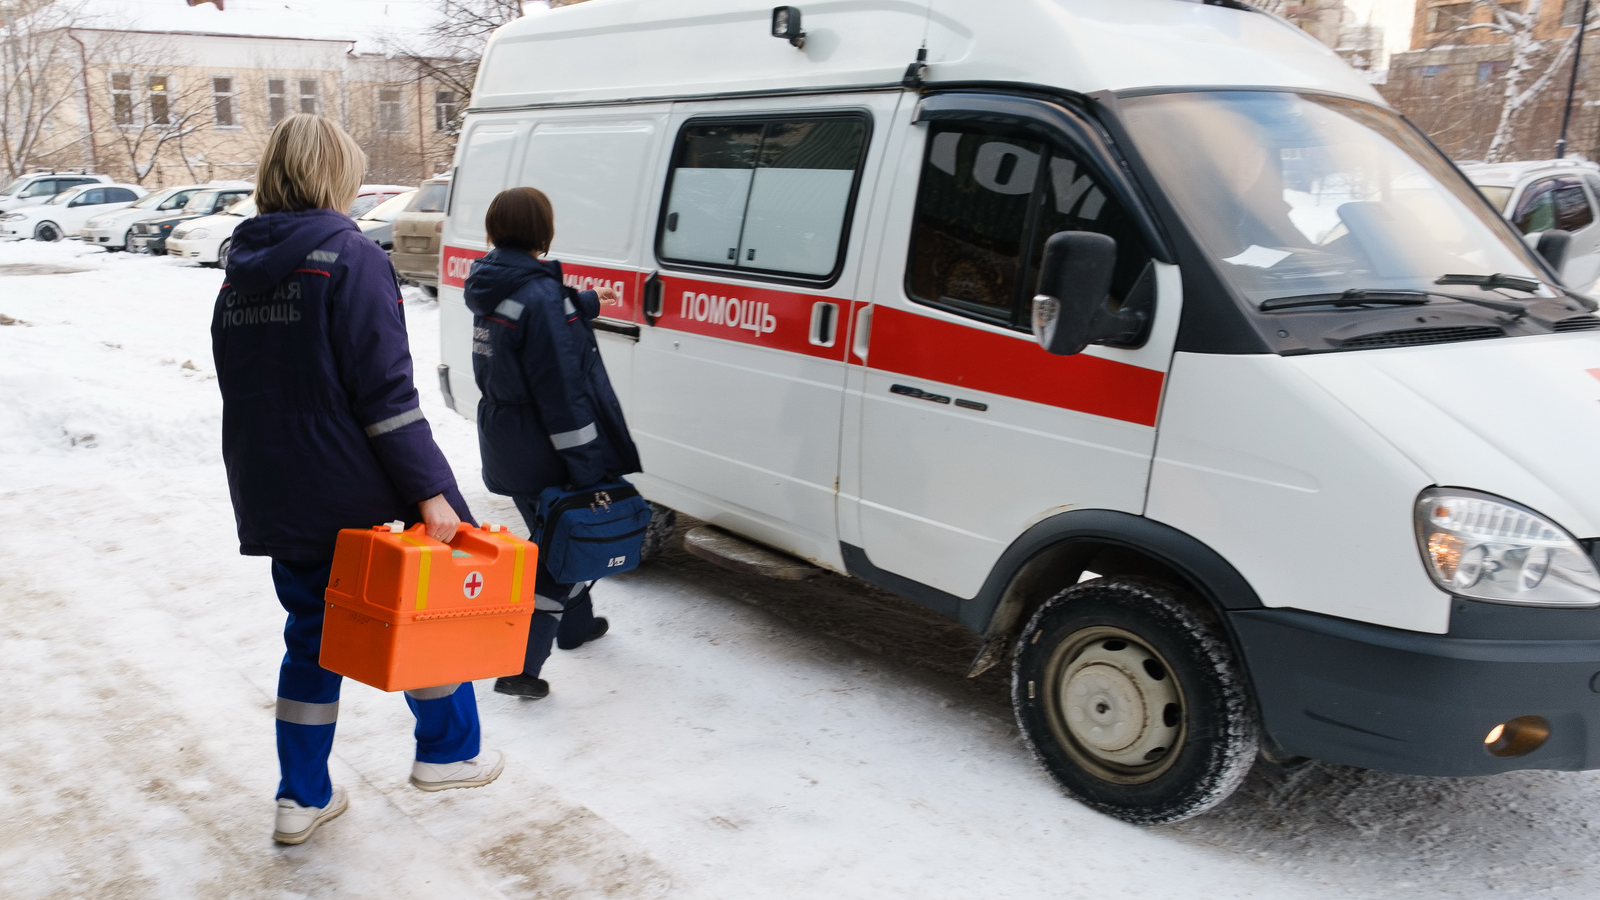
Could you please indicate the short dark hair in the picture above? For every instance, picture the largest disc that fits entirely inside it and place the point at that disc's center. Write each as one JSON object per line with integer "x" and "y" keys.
{"x": 520, "y": 218}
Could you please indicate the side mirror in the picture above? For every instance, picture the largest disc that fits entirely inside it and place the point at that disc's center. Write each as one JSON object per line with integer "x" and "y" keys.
{"x": 1553, "y": 246}
{"x": 1074, "y": 280}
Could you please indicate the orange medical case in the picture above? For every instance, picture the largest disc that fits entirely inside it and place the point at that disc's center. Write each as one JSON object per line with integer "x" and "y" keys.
{"x": 406, "y": 611}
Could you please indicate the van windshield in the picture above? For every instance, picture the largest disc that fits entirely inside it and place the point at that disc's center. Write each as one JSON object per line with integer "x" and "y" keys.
{"x": 1300, "y": 195}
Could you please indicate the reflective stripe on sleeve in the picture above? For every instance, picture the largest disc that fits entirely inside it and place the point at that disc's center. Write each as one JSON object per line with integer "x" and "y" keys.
{"x": 541, "y": 603}
{"x": 393, "y": 422}
{"x": 299, "y": 712}
{"x": 509, "y": 309}
{"x": 433, "y": 693}
{"x": 325, "y": 256}
{"x": 568, "y": 307}
{"x": 566, "y": 440}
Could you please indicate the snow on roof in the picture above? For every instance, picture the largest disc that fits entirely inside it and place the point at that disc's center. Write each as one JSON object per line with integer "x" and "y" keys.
{"x": 374, "y": 26}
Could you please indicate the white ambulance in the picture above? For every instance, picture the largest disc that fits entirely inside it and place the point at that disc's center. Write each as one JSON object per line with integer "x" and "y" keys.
{"x": 1140, "y": 336}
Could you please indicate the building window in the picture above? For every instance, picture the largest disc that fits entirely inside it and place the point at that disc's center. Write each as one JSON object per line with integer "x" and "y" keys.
{"x": 277, "y": 103}
{"x": 122, "y": 98}
{"x": 1432, "y": 71}
{"x": 446, "y": 110}
{"x": 159, "y": 99}
{"x": 1492, "y": 70}
{"x": 391, "y": 111}
{"x": 1449, "y": 17}
{"x": 309, "y": 89}
{"x": 222, "y": 101}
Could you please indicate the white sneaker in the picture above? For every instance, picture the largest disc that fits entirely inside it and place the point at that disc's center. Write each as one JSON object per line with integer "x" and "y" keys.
{"x": 469, "y": 773}
{"x": 295, "y": 822}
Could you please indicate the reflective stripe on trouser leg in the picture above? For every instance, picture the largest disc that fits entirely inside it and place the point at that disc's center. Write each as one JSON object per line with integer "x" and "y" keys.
{"x": 308, "y": 695}
{"x": 447, "y": 724}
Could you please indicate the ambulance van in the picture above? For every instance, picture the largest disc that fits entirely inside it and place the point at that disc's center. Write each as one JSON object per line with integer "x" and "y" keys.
{"x": 1139, "y": 336}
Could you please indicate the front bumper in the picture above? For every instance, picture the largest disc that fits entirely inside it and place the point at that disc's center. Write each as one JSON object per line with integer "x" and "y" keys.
{"x": 1401, "y": 701}
{"x": 198, "y": 251}
{"x": 147, "y": 243}
{"x": 113, "y": 238}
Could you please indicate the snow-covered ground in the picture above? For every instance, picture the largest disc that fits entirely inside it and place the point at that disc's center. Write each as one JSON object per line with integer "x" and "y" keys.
{"x": 731, "y": 738}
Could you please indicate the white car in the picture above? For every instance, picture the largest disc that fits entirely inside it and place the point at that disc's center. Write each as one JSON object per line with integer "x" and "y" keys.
{"x": 110, "y": 229}
{"x": 1541, "y": 195}
{"x": 64, "y": 215}
{"x": 206, "y": 240}
{"x": 37, "y": 187}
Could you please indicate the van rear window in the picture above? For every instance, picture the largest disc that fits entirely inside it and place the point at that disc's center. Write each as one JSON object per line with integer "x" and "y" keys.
{"x": 431, "y": 197}
{"x": 770, "y": 196}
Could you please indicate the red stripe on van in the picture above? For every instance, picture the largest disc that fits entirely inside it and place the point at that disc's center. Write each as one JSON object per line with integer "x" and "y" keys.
{"x": 919, "y": 346}
{"x": 455, "y": 263}
{"x": 780, "y": 320}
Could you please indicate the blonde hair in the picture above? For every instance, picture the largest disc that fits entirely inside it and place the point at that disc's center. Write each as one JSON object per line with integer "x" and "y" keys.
{"x": 309, "y": 163}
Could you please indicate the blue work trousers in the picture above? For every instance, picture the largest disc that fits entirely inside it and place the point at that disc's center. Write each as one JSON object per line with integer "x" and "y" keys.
{"x": 562, "y": 613}
{"x": 308, "y": 696}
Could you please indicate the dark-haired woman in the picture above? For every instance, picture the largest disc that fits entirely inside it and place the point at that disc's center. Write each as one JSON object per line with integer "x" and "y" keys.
{"x": 548, "y": 415}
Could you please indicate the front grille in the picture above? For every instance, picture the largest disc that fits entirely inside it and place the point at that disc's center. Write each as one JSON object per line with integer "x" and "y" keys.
{"x": 1415, "y": 337}
{"x": 1578, "y": 323}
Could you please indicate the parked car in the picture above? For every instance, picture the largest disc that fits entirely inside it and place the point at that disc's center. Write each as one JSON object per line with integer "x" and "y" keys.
{"x": 110, "y": 229}
{"x": 378, "y": 222}
{"x": 371, "y": 195}
{"x": 37, "y": 187}
{"x": 150, "y": 235}
{"x": 1540, "y": 195}
{"x": 64, "y": 214}
{"x": 206, "y": 240}
{"x": 417, "y": 233}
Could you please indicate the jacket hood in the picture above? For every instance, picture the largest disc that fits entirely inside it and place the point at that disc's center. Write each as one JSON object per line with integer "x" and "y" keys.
{"x": 1516, "y": 417}
{"x": 502, "y": 273}
{"x": 269, "y": 246}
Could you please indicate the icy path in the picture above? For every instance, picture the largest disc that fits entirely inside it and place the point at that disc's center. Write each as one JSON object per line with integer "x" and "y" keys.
{"x": 710, "y": 747}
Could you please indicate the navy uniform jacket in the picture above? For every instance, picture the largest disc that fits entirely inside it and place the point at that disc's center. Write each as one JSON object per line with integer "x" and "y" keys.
{"x": 321, "y": 424}
{"x": 548, "y": 414}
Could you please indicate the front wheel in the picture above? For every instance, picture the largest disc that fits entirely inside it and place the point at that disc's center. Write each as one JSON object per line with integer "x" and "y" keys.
{"x": 1130, "y": 694}
{"x": 47, "y": 231}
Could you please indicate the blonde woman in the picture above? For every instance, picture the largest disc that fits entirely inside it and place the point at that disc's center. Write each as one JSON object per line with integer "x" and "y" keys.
{"x": 321, "y": 430}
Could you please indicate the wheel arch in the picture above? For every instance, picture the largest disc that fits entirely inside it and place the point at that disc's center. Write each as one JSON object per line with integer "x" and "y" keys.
{"x": 1055, "y": 553}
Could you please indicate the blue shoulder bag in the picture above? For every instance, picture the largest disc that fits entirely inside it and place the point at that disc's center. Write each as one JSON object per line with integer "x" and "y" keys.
{"x": 591, "y": 532}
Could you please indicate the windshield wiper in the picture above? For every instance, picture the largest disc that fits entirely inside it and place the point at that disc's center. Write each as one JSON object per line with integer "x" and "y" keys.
{"x": 1359, "y": 297}
{"x": 1493, "y": 282}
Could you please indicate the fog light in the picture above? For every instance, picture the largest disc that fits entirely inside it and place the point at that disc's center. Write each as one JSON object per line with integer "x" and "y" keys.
{"x": 1517, "y": 737}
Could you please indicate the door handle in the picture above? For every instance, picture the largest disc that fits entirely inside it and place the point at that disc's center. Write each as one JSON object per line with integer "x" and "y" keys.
{"x": 861, "y": 334}
{"x": 823, "y": 317}
{"x": 652, "y": 298}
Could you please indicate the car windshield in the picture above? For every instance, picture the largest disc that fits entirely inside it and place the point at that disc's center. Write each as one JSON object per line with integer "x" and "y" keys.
{"x": 1497, "y": 195}
{"x": 1304, "y": 194}
{"x": 62, "y": 198}
{"x": 430, "y": 197}
{"x": 388, "y": 209}
{"x": 245, "y": 207}
{"x": 12, "y": 188}
{"x": 158, "y": 200}
{"x": 201, "y": 202}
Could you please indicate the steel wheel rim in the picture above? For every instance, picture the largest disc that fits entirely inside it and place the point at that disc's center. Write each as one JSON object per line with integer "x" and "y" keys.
{"x": 48, "y": 233}
{"x": 1114, "y": 704}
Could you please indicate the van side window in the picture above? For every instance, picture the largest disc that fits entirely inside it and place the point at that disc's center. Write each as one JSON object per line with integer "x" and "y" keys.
{"x": 985, "y": 207}
{"x": 771, "y": 196}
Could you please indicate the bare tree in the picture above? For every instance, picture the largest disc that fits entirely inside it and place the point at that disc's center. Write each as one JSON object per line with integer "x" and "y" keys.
{"x": 145, "y": 110}
{"x": 40, "y": 65}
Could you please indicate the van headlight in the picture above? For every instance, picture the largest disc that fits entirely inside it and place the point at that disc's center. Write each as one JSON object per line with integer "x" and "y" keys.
{"x": 1487, "y": 548}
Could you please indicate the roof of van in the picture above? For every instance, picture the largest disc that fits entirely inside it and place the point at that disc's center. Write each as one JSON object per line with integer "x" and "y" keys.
{"x": 615, "y": 50}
